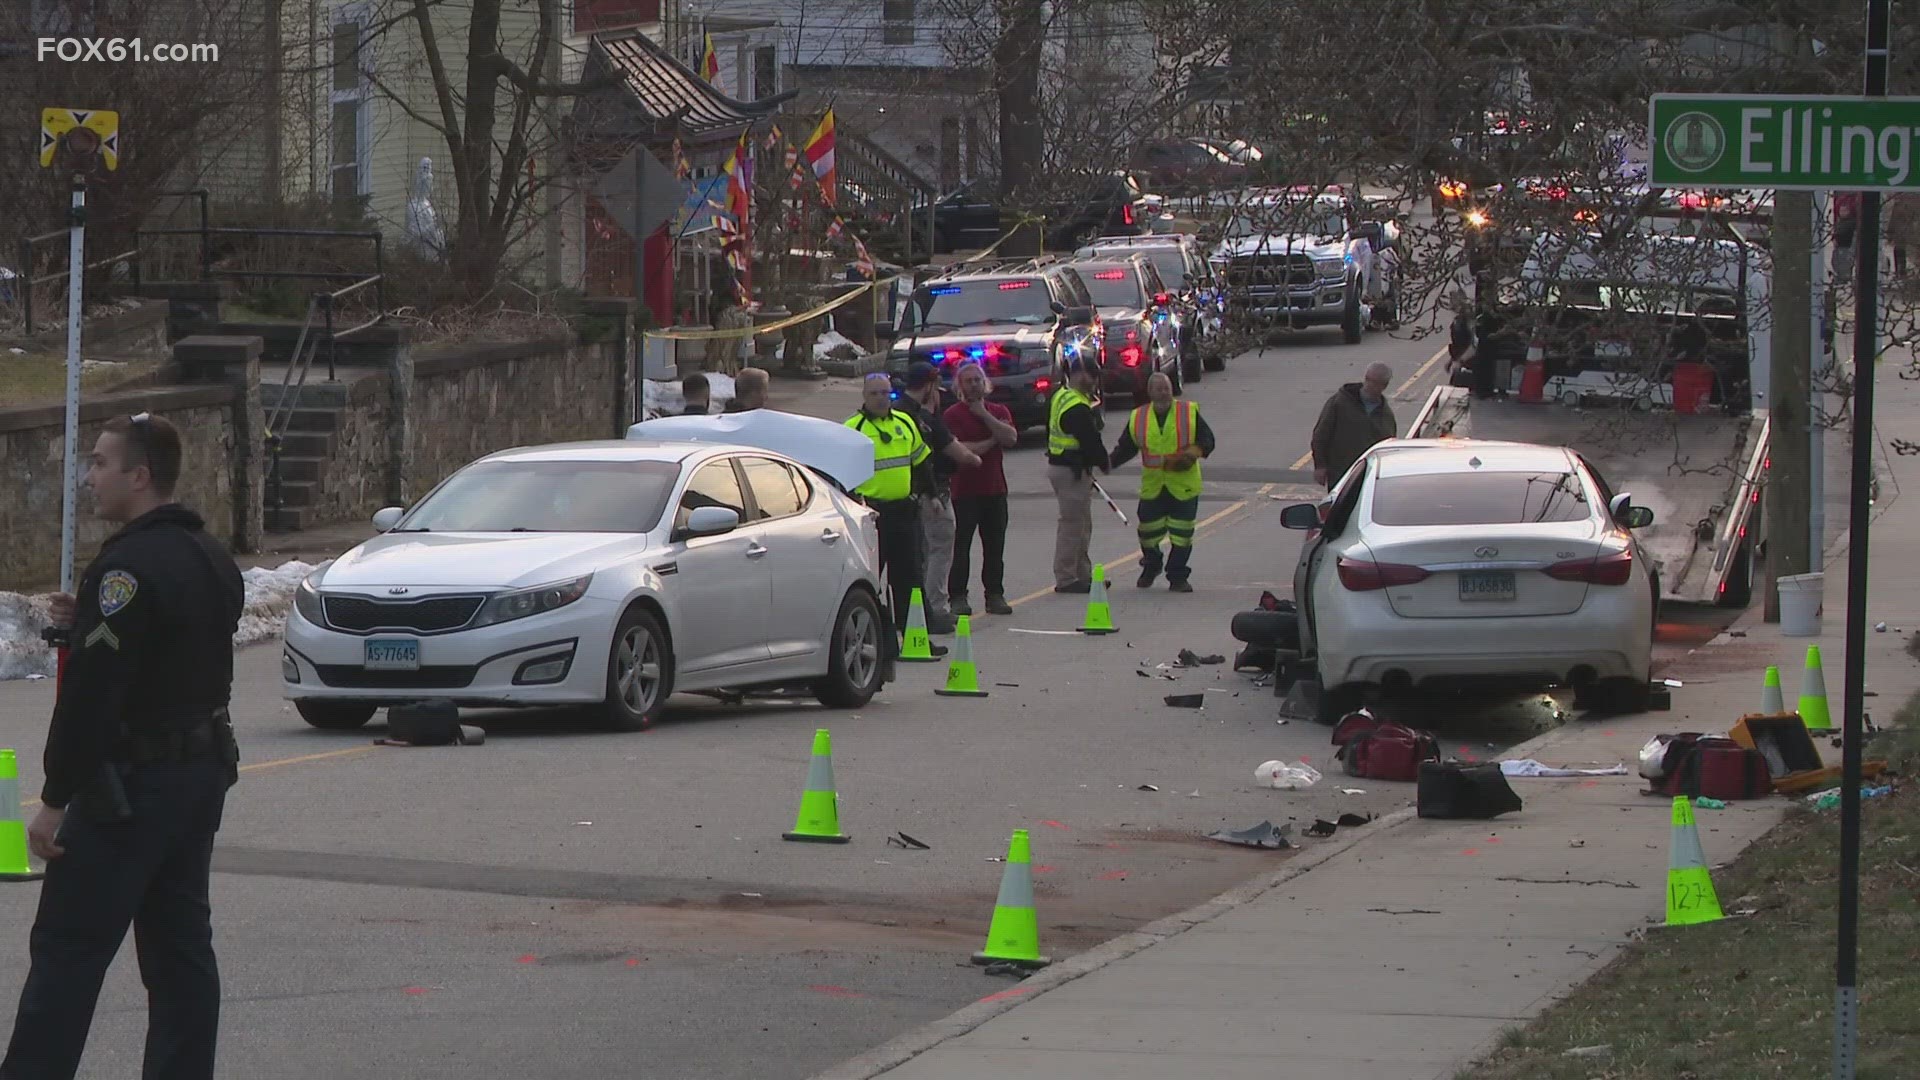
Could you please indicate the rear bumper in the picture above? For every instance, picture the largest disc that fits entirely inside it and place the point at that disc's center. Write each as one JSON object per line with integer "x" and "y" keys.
{"x": 1610, "y": 637}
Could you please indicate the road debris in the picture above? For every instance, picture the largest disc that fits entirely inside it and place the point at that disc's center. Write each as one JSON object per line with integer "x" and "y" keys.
{"x": 1602, "y": 1050}
{"x": 1187, "y": 701}
{"x": 900, "y": 839}
{"x": 1353, "y": 791}
{"x": 1189, "y": 658}
{"x": 1287, "y": 776}
{"x": 1879, "y": 628}
{"x": 1320, "y": 827}
{"x": 1530, "y": 767}
{"x": 1264, "y": 835}
{"x": 1576, "y": 842}
{"x": 1705, "y": 803}
{"x": 1568, "y": 881}
{"x": 1005, "y": 969}
{"x": 1146, "y": 787}
{"x": 1405, "y": 911}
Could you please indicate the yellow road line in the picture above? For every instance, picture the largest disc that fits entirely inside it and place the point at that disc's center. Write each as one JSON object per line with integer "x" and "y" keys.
{"x": 277, "y": 762}
{"x": 1134, "y": 555}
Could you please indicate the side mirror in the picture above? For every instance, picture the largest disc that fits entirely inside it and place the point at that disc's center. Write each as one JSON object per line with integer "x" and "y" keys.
{"x": 712, "y": 521}
{"x": 1301, "y": 517}
{"x": 1057, "y": 307}
{"x": 385, "y": 518}
{"x": 1637, "y": 517}
{"x": 1617, "y": 506}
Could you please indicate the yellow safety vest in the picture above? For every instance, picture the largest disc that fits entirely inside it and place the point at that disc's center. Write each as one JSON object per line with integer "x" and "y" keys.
{"x": 1058, "y": 441}
{"x": 897, "y": 448}
{"x": 1160, "y": 438}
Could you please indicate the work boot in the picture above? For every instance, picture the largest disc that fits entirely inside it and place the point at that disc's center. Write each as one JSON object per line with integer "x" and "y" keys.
{"x": 1178, "y": 585}
{"x": 1148, "y": 572}
{"x": 941, "y": 623}
{"x": 961, "y": 607}
{"x": 1079, "y": 587}
{"x": 997, "y": 605}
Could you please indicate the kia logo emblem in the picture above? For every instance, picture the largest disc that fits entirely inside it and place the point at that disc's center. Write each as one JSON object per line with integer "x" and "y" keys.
{"x": 1486, "y": 552}
{"x": 397, "y": 590}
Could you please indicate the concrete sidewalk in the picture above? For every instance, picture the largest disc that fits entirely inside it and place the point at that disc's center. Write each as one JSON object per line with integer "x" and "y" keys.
{"x": 1402, "y": 950}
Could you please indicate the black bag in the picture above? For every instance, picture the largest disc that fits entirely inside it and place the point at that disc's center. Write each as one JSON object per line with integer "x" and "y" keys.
{"x": 427, "y": 723}
{"x": 1449, "y": 789}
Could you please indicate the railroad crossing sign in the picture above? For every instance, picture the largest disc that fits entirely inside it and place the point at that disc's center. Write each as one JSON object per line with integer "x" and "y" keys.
{"x": 1785, "y": 142}
{"x": 98, "y": 130}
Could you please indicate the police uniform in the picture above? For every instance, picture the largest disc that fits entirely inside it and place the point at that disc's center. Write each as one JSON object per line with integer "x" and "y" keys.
{"x": 898, "y": 449}
{"x": 140, "y": 753}
{"x": 1169, "y": 496}
{"x": 1074, "y": 450}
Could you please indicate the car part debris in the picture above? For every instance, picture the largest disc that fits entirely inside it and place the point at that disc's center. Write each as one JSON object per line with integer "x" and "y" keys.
{"x": 1264, "y": 835}
{"x": 1350, "y": 820}
{"x": 901, "y": 839}
{"x": 1320, "y": 827}
{"x": 1146, "y": 787}
{"x": 1189, "y": 658}
{"x": 1187, "y": 701}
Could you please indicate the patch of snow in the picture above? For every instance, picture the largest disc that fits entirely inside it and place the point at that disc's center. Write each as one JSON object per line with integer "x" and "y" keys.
{"x": 829, "y": 340}
{"x": 269, "y": 594}
{"x": 662, "y": 397}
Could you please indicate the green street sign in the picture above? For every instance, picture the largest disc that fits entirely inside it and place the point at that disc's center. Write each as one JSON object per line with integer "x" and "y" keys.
{"x": 1805, "y": 143}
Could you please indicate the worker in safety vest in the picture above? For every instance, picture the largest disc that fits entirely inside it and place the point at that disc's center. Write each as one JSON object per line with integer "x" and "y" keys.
{"x": 1074, "y": 450}
{"x": 897, "y": 449}
{"x": 1170, "y": 438}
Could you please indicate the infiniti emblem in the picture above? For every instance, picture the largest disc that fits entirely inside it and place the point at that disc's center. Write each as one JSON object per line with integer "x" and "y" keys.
{"x": 397, "y": 590}
{"x": 1486, "y": 552}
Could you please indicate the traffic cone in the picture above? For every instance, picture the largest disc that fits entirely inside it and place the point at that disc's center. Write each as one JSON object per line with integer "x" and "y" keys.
{"x": 1771, "y": 703}
{"x": 1099, "y": 615}
{"x": 916, "y": 647}
{"x": 1533, "y": 377}
{"x": 963, "y": 679}
{"x": 1690, "y": 896}
{"x": 1813, "y": 694}
{"x": 1014, "y": 937}
{"x": 13, "y": 830}
{"x": 819, "y": 819}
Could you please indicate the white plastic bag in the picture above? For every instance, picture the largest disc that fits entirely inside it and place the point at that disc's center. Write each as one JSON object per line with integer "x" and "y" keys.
{"x": 1653, "y": 757}
{"x": 1287, "y": 776}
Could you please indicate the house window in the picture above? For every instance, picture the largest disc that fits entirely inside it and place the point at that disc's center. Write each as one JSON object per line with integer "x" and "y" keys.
{"x": 766, "y": 72}
{"x": 351, "y": 98}
{"x": 896, "y": 22}
{"x": 590, "y": 16}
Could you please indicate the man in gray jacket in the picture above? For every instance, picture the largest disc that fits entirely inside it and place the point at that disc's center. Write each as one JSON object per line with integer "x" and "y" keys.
{"x": 1352, "y": 420}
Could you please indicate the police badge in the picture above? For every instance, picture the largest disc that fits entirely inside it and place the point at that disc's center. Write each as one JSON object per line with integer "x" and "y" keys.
{"x": 116, "y": 591}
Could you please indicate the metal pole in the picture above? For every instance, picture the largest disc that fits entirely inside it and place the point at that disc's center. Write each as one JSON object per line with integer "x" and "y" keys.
{"x": 1816, "y": 400}
{"x": 25, "y": 279}
{"x": 76, "y": 287}
{"x": 640, "y": 241}
{"x": 333, "y": 351}
{"x": 1846, "y": 995}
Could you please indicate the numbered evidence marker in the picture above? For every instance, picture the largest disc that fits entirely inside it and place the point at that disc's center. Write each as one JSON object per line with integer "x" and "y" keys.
{"x": 1690, "y": 895}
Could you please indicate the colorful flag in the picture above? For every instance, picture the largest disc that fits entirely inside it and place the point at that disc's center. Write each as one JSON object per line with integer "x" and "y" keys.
{"x": 739, "y": 208}
{"x": 682, "y": 168}
{"x": 835, "y": 228}
{"x": 819, "y": 155}
{"x": 709, "y": 61}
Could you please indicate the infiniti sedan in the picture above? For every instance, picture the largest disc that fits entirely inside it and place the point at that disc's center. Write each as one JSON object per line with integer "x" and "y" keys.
{"x": 1458, "y": 563}
{"x": 602, "y": 574}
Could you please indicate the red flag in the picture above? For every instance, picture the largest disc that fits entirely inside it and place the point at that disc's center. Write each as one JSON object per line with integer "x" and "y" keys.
{"x": 819, "y": 155}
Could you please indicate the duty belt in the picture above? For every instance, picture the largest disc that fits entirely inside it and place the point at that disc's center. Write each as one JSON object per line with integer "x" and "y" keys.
{"x": 198, "y": 739}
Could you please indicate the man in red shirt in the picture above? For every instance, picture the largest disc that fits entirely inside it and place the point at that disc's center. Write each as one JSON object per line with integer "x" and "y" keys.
{"x": 979, "y": 491}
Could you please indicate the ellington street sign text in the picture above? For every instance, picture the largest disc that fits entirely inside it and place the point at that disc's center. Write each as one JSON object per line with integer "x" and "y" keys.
{"x": 1773, "y": 141}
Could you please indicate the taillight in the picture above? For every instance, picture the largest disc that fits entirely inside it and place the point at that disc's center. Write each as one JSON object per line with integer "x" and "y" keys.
{"x": 1609, "y": 568}
{"x": 1360, "y": 576}
{"x": 1132, "y": 355}
{"x": 1041, "y": 386}
{"x": 1126, "y": 213}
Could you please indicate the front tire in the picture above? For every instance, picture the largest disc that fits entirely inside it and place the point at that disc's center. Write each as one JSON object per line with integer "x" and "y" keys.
{"x": 854, "y": 655}
{"x": 334, "y": 715}
{"x": 1353, "y": 326}
{"x": 639, "y": 673}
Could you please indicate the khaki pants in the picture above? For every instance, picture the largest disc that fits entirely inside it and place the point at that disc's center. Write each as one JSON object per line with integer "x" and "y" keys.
{"x": 936, "y": 528}
{"x": 1071, "y": 564}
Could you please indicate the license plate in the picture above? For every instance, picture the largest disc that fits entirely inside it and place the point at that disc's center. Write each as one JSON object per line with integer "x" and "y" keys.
{"x": 392, "y": 654}
{"x": 1487, "y": 585}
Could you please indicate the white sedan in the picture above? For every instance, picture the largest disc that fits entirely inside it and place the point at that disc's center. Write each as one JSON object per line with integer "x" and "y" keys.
{"x": 1455, "y": 563}
{"x": 607, "y": 574}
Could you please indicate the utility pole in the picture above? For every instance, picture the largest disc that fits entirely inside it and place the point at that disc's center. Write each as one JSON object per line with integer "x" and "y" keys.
{"x": 1789, "y": 481}
{"x": 1823, "y": 363}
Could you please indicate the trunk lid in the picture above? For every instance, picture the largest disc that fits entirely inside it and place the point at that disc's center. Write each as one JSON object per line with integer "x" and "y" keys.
{"x": 1479, "y": 572}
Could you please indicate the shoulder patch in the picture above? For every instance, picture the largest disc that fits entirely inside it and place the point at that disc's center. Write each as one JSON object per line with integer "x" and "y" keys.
{"x": 116, "y": 591}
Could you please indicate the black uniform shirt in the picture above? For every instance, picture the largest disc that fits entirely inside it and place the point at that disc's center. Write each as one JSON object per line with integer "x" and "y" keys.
{"x": 151, "y": 644}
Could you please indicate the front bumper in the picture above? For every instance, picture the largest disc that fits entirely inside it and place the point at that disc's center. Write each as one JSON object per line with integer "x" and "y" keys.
{"x": 1299, "y": 304}
{"x": 507, "y": 664}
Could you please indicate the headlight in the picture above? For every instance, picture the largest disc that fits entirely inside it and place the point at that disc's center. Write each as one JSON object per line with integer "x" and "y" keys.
{"x": 1335, "y": 267}
{"x": 518, "y": 605}
{"x": 1478, "y": 219}
{"x": 306, "y": 599}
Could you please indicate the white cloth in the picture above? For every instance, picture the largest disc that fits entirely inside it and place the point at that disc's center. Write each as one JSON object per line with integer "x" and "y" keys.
{"x": 1530, "y": 767}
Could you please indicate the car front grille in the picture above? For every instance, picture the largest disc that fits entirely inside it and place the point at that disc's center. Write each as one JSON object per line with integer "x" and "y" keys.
{"x": 429, "y": 615}
{"x": 446, "y": 677}
{"x": 1271, "y": 270}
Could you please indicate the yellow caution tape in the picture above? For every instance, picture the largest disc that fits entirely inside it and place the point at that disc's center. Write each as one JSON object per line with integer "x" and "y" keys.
{"x": 773, "y": 327}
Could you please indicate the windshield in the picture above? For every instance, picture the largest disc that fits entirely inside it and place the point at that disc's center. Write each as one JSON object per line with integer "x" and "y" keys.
{"x": 548, "y": 496}
{"x": 1479, "y": 498}
{"x": 1281, "y": 220}
{"x": 972, "y": 303}
{"x": 1112, "y": 286}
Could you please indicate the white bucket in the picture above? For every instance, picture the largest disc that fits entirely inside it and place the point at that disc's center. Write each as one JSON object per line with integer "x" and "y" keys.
{"x": 1800, "y": 597}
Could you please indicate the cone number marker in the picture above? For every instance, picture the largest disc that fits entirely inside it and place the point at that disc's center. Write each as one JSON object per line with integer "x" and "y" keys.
{"x": 1689, "y": 896}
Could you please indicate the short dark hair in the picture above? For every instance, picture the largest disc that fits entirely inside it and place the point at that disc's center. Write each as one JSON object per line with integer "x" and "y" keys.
{"x": 696, "y": 381}
{"x": 151, "y": 441}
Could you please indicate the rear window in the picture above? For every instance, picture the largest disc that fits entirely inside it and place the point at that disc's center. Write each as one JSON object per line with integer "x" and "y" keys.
{"x": 1112, "y": 286}
{"x": 954, "y": 304}
{"x": 1479, "y": 498}
{"x": 1170, "y": 261}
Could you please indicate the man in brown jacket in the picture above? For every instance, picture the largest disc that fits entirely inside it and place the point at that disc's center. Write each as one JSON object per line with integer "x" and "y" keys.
{"x": 1352, "y": 420}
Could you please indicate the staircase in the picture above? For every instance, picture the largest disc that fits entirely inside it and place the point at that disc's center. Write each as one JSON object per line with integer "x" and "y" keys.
{"x": 306, "y": 446}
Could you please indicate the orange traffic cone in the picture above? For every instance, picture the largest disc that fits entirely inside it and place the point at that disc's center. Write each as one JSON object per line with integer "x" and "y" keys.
{"x": 1533, "y": 377}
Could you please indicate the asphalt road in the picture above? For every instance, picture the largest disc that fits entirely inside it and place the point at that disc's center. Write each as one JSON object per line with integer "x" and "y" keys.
{"x": 563, "y": 902}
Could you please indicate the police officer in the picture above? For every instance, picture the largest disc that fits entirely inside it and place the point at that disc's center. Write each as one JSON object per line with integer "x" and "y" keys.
{"x": 139, "y": 758}
{"x": 926, "y": 403}
{"x": 897, "y": 449}
{"x": 1170, "y": 437}
{"x": 1074, "y": 450}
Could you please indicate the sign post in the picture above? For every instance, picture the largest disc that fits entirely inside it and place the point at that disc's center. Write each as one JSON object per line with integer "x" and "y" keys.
{"x": 1864, "y": 144}
{"x": 81, "y": 140}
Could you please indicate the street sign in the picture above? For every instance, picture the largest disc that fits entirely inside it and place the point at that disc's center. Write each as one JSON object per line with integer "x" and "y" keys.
{"x": 1785, "y": 142}
{"x": 55, "y": 123}
{"x": 661, "y": 191}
